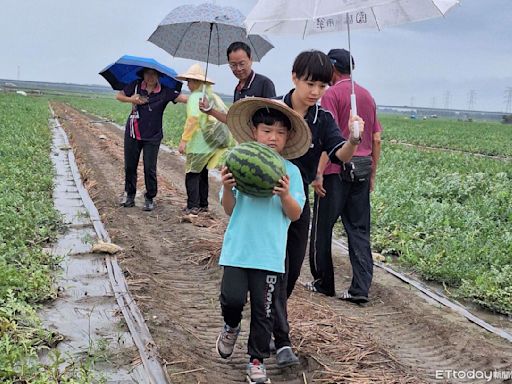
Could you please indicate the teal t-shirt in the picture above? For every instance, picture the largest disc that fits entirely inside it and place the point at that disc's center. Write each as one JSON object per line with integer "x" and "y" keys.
{"x": 258, "y": 228}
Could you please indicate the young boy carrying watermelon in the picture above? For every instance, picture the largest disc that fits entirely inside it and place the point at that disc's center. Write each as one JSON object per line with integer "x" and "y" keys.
{"x": 254, "y": 248}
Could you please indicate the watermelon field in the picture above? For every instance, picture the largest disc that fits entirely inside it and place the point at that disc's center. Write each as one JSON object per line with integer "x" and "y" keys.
{"x": 28, "y": 224}
{"x": 446, "y": 215}
{"x": 477, "y": 137}
{"x": 441, "y": 211}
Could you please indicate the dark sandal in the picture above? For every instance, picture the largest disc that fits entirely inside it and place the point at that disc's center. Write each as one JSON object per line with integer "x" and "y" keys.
{"x": 356, "y": 299}
{"x": 310, "y": 286}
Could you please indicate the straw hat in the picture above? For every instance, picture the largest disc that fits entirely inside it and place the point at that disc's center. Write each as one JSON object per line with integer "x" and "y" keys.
{"x": 195, "y": 72}
{"x": 240, "y": 124}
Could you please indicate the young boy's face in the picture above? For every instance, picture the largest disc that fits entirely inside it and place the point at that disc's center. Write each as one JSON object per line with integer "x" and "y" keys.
{"x": 274, "y": 136}
{"x": 308, "y": 91}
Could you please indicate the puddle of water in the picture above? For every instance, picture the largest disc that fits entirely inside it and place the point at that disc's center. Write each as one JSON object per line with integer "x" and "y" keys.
{"x": 75, "y": 241}
{"x": 86, "y": 313}
{"x": 496, "y": 319}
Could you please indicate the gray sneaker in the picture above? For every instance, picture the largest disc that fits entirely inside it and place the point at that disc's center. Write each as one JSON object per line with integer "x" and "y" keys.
{"x": 286, "y": 358}
{"x": 149, "y": 205}
{"x": 129, "y": 201}
{"x": 227, "y": 340}
{"x": 256, "y": 372}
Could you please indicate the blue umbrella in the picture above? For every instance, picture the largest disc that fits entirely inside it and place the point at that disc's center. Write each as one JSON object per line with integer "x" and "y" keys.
{"x": 128, "y": 69}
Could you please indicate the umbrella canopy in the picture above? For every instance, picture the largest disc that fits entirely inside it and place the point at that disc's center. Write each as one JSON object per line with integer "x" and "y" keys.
{"x": 204, "y": 32}
{"x": 306, "y": 17}
{"x": 128, "y": 69}
{"x": 316, "y": 16}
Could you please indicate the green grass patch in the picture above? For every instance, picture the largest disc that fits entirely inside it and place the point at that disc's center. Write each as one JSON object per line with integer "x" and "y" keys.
{"x": 489, "y": 138}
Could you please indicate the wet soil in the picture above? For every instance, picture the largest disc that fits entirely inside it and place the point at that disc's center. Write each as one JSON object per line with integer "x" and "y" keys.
{"x": 171, "y": 271}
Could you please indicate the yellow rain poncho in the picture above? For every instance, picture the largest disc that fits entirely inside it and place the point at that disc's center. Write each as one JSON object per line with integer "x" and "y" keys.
{"x": 207, "y": 138}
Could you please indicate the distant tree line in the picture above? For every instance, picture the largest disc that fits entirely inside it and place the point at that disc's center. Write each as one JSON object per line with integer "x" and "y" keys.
{"x": 507, "y": 119}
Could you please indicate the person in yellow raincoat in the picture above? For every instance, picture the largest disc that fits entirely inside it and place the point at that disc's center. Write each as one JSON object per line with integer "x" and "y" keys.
{"x": 204, "y": 139}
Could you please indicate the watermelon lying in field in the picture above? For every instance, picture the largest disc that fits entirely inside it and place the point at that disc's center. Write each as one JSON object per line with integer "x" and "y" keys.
{"x": 256, "y": 168}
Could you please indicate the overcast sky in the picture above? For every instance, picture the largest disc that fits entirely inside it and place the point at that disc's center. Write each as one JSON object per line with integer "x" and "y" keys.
{"x": 438, "y": 62}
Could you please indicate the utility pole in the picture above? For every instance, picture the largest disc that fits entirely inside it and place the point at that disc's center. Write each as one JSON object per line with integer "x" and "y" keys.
{"x": 508, "y": 100}
{"x": 471, "y": 99}
{"x": 447, "y": 97}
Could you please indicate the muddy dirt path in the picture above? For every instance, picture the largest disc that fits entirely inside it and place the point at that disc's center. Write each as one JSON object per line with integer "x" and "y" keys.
{"x": 399, "y": 337}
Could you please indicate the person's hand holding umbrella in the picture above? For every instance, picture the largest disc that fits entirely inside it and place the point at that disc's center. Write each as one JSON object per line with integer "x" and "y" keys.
{"x": 203, "y": 32}
{"x": 306, "y": 17}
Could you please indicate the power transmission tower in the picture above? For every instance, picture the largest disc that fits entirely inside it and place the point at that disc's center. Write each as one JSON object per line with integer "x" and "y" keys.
{"x": 471, "y": 99}
{"x": 434, "y": 102}
{"x": 412, "y": 101}
{"x": 508, "y": 100}
{"x": 447, "y": 97}
{"x": 18, "y": 73}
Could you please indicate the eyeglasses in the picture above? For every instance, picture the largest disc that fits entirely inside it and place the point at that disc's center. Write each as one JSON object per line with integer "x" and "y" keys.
{"x": 240, "y": 65}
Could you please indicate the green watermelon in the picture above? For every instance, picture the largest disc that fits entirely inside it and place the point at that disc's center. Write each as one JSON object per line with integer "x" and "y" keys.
{"x": 256, "y": 168}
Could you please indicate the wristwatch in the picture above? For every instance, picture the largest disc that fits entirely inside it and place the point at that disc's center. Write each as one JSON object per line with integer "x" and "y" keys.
{"x": 355, "y": 141}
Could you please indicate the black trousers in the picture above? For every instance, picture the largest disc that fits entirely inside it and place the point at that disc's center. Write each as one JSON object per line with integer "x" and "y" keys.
{"x": 350, "y": 201}
{"x": 262, "y": 286}
{"x": 295, "y": 253}
{"x": 197, "y": 189}
{"x": 132, "y": 150}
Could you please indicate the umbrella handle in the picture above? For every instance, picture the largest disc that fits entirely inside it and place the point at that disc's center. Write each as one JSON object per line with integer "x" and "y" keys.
{"x": 205, "y": 97}
{"x": 353, "y": 103}
{"x": 353, "y": 107}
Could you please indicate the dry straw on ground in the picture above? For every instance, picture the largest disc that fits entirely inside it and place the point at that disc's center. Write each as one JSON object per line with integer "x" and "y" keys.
{"x": 204, "y": 252}
{"x": 337, "y": 345}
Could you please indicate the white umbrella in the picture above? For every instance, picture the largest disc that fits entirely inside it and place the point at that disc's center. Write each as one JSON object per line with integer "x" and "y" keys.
{"x": 307, "y": 17}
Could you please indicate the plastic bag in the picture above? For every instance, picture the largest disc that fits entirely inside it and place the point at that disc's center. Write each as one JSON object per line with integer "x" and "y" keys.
{"x": 216, "y": 134}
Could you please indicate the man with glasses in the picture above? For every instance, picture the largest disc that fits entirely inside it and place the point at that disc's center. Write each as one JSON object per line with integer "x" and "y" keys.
{"x": 250, "y": 83}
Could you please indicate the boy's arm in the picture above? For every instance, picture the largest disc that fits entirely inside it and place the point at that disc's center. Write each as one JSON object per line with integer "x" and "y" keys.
{"x": 291, "y": 207}
{"x": 228, "y": 199}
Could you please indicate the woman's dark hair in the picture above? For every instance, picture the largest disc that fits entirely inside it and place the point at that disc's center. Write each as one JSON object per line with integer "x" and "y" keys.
{"x": 270, "y": 116}
{"x": 313, "y": 66}
{"x": 239, "y": 45}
